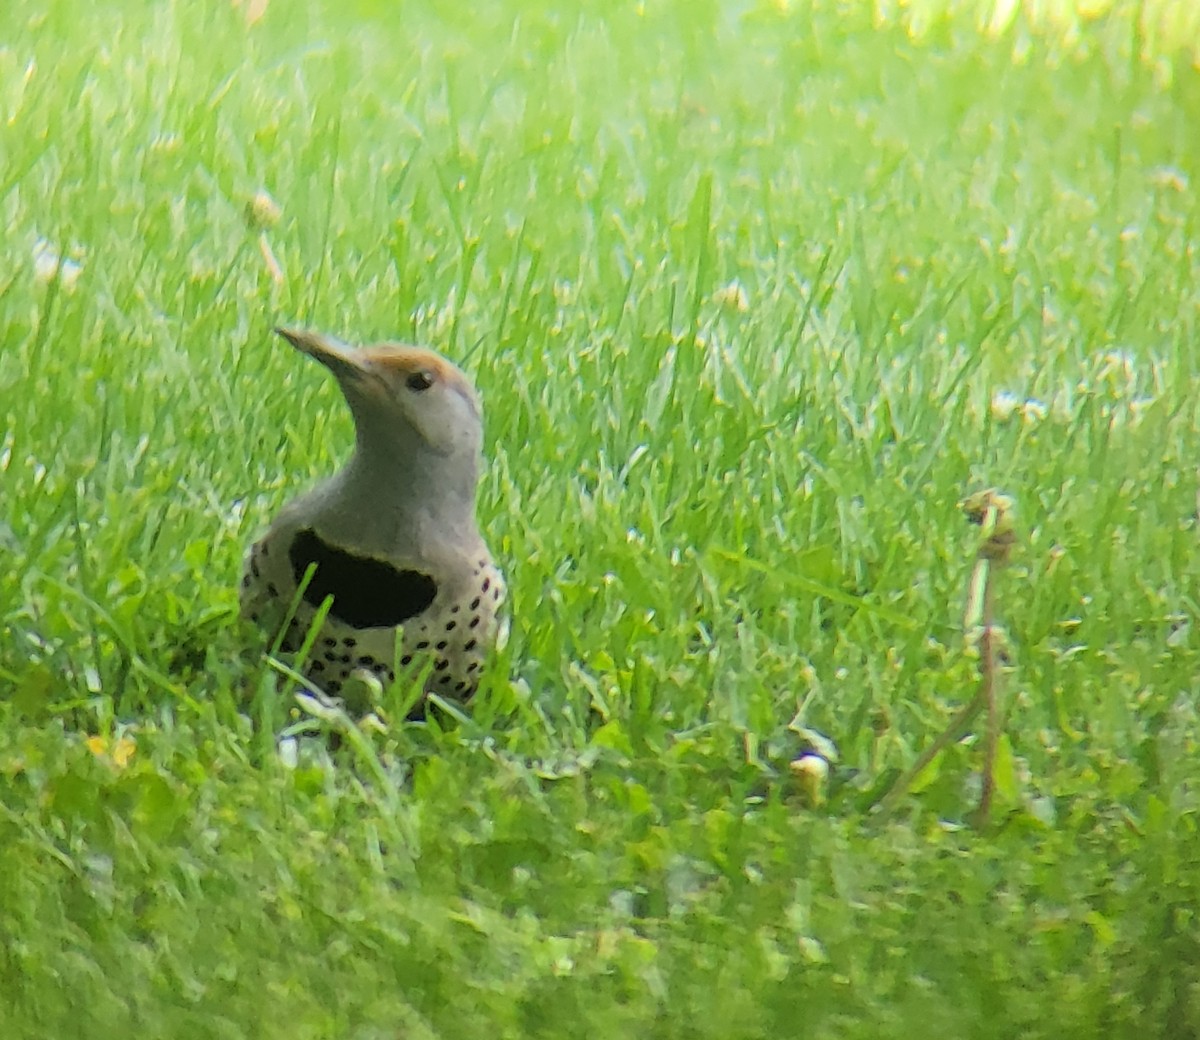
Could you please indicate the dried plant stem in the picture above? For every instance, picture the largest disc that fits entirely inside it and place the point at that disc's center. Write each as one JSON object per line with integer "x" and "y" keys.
{"x": 987, "y": 693}
{"x": 954, "y": 731}
{"x": 993, "y": 512}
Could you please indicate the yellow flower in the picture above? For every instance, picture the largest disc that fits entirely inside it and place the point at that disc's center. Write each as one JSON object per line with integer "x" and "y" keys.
{"x": 118, "y": 751}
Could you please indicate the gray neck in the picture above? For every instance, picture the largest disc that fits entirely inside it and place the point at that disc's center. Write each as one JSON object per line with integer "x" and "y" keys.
{"x": 391, "y": 501}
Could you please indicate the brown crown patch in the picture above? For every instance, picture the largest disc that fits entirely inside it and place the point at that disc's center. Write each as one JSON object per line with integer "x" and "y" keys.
{"x": 401, "y": 360}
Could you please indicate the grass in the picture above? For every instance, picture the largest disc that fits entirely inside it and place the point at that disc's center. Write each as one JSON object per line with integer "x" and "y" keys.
{"x": 754, "y": 294}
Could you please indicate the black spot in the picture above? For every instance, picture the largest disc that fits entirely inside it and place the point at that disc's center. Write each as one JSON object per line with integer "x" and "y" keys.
{"x": 473, "y": 666}
{"x": 271, "y": 590}
{"x": 459, "y": 686}
{"x": 469, "y": 645}
{"x": 350, "y": 641}
{"x": 367, "y": 661}
{"x": 316, "y": 666}
{"x": 406, "y": 660}
{"x": 331, "y": 657}
{"x": 262, "y": 548}
{"x": 442, "y": 665}
{"x": 245, "y": 581}
{"x": 483, "y": 563}
{"x": 391, "y": 676}
{"x": 346, "y": 658}
{"x": 454, "y": 609}
{"x": 254, "y": 566}
{"x": 423, "y": 645}
{"x": 442, "y": 645}
{"x": 450, "y": 625}
{"x": 366, "y": 593}
{"x": 474, "y": 622}
{"x": 496, "y": 593}
{"x": 254, "y": 618}
{"x": 475, "y": 603}
{"x": 329, "y": 642}
{"x": 487, "y": 584}
{"x": 443, "y": 680}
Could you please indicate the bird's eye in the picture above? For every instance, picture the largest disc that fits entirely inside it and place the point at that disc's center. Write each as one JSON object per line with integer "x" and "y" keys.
{"x": 419, "y": 381}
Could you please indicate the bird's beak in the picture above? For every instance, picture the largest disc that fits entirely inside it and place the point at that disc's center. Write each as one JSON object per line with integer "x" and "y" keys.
{"x": 342, "y": 360}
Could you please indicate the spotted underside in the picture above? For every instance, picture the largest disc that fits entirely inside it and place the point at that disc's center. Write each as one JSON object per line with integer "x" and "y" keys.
{"x": 448, "y": 630}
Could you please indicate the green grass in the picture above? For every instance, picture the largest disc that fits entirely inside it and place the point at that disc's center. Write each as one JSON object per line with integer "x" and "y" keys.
{"x": 743, "y": 288}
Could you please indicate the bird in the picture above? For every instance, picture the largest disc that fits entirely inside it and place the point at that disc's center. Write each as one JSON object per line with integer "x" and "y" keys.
{"x": 391, "y": 540}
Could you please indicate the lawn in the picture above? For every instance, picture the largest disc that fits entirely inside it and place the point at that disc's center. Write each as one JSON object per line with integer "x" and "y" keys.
{"x": 754, "y": 294}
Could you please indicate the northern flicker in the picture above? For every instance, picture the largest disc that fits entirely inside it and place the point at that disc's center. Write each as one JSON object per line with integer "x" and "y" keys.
{"x": 392, "y": 535}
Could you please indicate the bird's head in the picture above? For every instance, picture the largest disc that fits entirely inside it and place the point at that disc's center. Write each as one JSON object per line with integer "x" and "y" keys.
{"x": 404, "y": 399}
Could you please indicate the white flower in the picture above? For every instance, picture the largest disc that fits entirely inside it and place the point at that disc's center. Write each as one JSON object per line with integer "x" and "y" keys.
{"x": 1033, "y": 411}
{"x": 1004, "y": 405}
{"x": 262, "y": 211}
{"x": 49, "y": 264}
{"x": 732, "y": 296}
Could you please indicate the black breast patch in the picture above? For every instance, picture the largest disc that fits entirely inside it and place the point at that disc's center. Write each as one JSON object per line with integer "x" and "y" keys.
{"x": 366, "y": 593}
